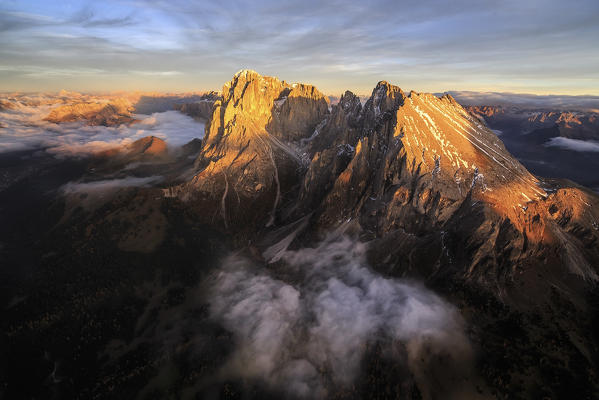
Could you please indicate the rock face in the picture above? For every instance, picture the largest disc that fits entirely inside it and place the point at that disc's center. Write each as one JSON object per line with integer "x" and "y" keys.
{"x": 250, "y": 152}
{"x": 430, "y": 149}
{"x": 113, "y": 113}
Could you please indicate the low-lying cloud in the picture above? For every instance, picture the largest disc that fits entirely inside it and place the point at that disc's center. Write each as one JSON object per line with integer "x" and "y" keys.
{"x": 573, "y": 144}
{"x": 306, "y": 331}
{"x": 532, "y": 101}
{"x": 108, "y": 184}
{"x": 90, "y": 195}
{"x": 24, "y": 128}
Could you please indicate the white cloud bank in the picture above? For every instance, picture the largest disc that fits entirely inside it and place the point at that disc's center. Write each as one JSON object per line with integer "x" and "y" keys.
{"x": 24, "y": 128}
{"x": 550, "y": 102}
{"x": 307, "y": 333}
{"x": 574, "y": 144}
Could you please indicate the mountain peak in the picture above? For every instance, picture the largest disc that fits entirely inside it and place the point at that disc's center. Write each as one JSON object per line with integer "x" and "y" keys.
{"x": 246, "y": 73}
{"x": 250, "y": 151}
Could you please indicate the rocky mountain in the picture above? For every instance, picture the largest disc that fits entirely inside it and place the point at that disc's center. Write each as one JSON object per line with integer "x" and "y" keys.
{"x": 111, "y": 113}
{"x": 392, "y": 248}
{"x": 249, "y": 152}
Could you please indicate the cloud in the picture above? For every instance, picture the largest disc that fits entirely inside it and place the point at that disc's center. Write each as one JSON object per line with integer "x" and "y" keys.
{"x": 156, "y": 73}
{"x": 90, "y": 195}
{"x": 33, "y": 71}
{"x": 574, "y": 144}
{"x": 552, "y": 102}
{"x": 304, "y": 330}
{"x": 88, "y": 18}
{"x": 24, "y": 128}
{"x": 108, "y": 185}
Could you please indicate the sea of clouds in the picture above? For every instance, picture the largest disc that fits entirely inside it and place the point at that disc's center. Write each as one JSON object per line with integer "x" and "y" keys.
{"x": 532, "y": 101}
{"x": 24, "y": 128}
{"x": 305, "y": 330}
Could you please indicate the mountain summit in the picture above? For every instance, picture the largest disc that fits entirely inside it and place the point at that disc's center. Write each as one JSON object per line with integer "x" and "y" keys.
{"x": 401, "y": 164}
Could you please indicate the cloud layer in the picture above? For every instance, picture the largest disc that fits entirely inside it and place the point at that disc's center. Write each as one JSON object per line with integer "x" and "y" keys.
{"x": 551, "y": 102}
{"x": 25, "y": 129}
{"x": 307, "y": 330}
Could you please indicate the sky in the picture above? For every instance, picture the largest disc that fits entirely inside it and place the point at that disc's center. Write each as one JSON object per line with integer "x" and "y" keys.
{"x": 521, "y": 46}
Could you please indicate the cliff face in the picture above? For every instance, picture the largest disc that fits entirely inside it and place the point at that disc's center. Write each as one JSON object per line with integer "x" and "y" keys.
{"x": 250, "y": 154}
{"x": 429, "y": 151}
{"x": 113, "y": 113}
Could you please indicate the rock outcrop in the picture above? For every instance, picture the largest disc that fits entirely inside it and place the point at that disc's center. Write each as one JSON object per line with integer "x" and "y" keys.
{"x": 149, "y": 149}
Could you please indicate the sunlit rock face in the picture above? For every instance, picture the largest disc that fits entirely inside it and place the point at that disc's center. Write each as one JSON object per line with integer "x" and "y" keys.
{"x": 250, "y": 152}
{"x": 112, "y": 113}
{"x": 417, "y": 150}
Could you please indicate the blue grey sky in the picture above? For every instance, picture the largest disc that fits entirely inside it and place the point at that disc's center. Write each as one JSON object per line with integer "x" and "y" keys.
{"x": 526, "y": 46}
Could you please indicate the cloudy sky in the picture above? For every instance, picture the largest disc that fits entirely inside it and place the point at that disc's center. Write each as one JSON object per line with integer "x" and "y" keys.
{"x": 531, "y": 46}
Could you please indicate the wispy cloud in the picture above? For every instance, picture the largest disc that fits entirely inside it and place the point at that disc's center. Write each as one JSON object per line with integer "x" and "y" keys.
{"x": 103, "y": 186}
{"x": 89, "y": 18}
{"x": 574, "y": 144}
{"x": 34, "y": 71}
{"x": 156, "y": 73}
